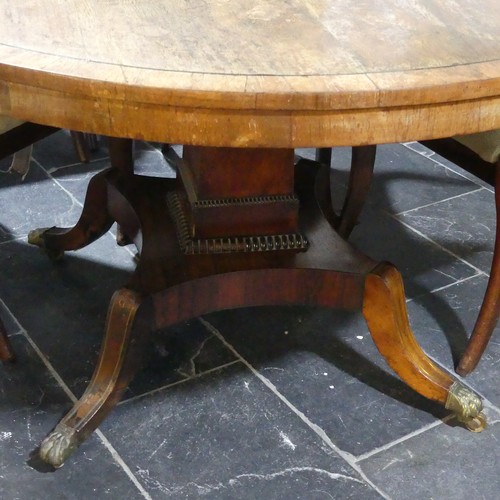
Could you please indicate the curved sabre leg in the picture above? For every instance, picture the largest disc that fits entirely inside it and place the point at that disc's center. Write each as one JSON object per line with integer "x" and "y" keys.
{"x": 385, "y": 312}
{"x": 127, "y": 331}
{"x": 95, "y": 219}
{"x": 93, "y": 223}
{"x": 490, "y": 308}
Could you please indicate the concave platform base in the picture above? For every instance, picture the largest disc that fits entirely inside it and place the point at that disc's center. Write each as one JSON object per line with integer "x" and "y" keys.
{"x": 170, "y": 285}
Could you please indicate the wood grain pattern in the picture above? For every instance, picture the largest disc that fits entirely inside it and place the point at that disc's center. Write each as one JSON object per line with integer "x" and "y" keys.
{"x": 254, "y": 73}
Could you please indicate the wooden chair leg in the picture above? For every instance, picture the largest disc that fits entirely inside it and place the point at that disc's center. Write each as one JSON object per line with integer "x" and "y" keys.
{"x": 490, "y": 308}
{"x": 121, "y": 152}
{"x": 360, "y": 178}
{"x": 6, "y": 352}
{"x": 81, "y": 146}
{"x": 127, "y": 329}
{"x": 324, "y": 156}
{"x": 385, "y": 312}
{"x": 84, "y": 144}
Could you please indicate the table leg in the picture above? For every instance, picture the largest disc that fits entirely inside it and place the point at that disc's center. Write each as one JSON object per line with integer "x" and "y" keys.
{"x": 127, "y": 329}
{"x": 187, "y": 271}
{"x": 95, "y": 219}
{"x": 93, "y": 223}
{"x": 384, "y": 308}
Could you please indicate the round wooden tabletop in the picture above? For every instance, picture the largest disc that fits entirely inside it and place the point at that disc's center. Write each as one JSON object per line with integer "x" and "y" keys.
{"x": 244, "y": 73}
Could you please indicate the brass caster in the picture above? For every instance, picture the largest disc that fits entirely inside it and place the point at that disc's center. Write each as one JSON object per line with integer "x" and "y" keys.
{"x": 36, "y": 237}
{"x": 467, "y": 407}
{"x": 476, "y": 424}
{"x": 58, "y": 446}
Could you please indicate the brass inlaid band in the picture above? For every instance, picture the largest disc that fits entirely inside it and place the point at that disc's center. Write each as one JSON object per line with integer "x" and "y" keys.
{"x": 248, "y": 200}
{"x": 263, "y": 243}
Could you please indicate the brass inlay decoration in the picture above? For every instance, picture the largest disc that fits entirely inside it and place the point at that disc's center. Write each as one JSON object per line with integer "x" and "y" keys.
{"x": 229, "y": 244}
{"x": 59, "y": 445}
{"x": 467, "y": 407}
{"x": 463, "y": 401}
{"x": 250, "y": 200}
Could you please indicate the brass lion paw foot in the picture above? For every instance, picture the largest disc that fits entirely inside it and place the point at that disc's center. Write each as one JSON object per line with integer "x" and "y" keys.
{"x": 58, "y": 445}
{"x": 467, "y": 407}
{"x": 37, "y": 237}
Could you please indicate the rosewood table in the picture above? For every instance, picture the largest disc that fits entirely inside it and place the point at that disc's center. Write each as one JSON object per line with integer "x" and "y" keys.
{"x": 240, "y": 84}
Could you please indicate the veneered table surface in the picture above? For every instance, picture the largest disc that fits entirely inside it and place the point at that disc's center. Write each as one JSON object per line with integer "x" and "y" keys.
{"x": 280, "y": 73}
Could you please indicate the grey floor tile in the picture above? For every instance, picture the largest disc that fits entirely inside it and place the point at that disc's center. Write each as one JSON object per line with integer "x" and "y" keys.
{"x": 448, "y": 164}
{"x": 444, "y": 321}
{"x": 75, "y": 178}
{"x": 63, "y": 305}
{"x": 444, "y": 462}
{"x": 26, "y": 202}
{"x": 72, "y": 297}
{"x": 424, "y": 265}
{"x": 58, "y": 151}
{"x": 404, "y": 179}
{"x": 325, "y": 363}
{"x": 179, "y": 353}
{"x": 9, "y": 322}
{"x": 30, "y": 404}
{"x": 227, "y": 436}
{"x": 463, "y": 225}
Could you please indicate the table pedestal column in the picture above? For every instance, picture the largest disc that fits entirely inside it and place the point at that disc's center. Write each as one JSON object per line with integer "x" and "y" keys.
{"x": 237, "y": 228}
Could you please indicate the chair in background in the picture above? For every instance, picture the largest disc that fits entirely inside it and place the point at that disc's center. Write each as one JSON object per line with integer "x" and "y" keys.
{"x": 479, "y": 154}
{"x": 360, "y": 178}
{"x": 84, "y": 144}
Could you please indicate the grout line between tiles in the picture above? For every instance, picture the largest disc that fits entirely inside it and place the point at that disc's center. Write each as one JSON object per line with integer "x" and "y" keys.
{"x": 119, "y": 460}
{"x": 73, "y": 198}
{"x": 69, "y": 165}
{"x": 444, "y": 287}
{"x": 178, "y": 382}
{"x": 402, "y": 439}
{"x": 422, "y": 235}
{"x": 17, "y": 238}
{"x": 348, "y": 457}
{"x": 99, "y": 434}
{"x": 14, "y": 319}
{"x": 437, "y": 162}
{"x": 440, "y": 201}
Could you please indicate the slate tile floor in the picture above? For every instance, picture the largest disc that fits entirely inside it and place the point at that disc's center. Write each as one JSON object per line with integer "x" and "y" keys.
{"x": 272, "y": 403}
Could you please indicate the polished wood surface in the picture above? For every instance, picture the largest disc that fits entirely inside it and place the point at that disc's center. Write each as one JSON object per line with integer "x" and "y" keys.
{"x": 175, "y": 283}
{"x": 257, "y": 79}
{"x": 168, "y": 70}
{"x": 490, "y": 308}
